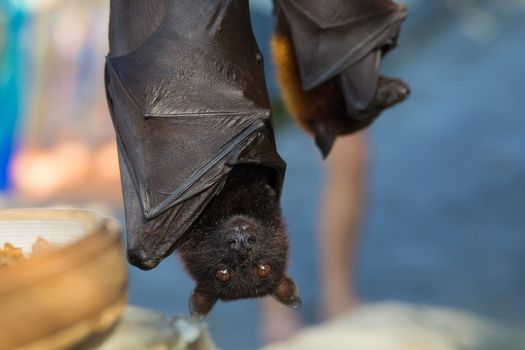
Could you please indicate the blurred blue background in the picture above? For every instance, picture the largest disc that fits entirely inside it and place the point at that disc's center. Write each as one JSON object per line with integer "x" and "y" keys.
{"x": 445, "y": 220}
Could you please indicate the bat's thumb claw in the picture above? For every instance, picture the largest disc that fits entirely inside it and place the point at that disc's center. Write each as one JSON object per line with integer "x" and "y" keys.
{"x": 140, "y": 259}
{"x": 287, "y": 293}
{"x": 200, "y": 304}
{"x": 392, "y": 92}
{"x": 324, "y": 137}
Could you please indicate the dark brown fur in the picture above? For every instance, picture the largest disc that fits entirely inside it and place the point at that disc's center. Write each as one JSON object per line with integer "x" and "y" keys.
{"x": 246, "y": 200}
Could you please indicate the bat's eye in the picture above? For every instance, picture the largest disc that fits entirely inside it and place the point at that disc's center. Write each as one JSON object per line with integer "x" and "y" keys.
{"x": 264, "y": 270}
{"x": 223, "y": 275}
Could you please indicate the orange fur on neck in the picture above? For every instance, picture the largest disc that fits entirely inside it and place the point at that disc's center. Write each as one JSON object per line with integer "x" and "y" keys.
{"x": 304, "y": 106}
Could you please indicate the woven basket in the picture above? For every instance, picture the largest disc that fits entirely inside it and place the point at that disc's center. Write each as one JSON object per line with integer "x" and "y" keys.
{"x": 66, "y": 296}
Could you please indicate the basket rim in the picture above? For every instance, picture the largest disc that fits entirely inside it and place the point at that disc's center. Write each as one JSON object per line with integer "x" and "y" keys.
{"x": 101, "y": 234}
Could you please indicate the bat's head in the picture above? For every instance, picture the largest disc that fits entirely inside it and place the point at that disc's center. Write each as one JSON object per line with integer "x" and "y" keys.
{"x": 238, "y": 248}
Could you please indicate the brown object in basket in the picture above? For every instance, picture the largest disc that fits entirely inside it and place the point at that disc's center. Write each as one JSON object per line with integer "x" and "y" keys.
{"x": 41, "y": 246}
{"x": 10, "y": 255}
{"x": 67, "y": 295}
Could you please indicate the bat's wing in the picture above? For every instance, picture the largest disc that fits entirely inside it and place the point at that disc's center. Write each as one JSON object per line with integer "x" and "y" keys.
{"x": 188, "y": 103}
{"x": 330, "y": 36}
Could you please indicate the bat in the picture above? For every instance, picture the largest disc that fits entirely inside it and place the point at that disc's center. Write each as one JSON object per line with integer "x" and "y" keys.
{"x": 199, "y": 167}
{"x": 327, "y": 56}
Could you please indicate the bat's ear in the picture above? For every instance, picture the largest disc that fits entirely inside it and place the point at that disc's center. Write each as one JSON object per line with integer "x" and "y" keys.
{"x": 324, "y": 137}
{"x": 200, "y": 304}
{"x": 287, "y": 293}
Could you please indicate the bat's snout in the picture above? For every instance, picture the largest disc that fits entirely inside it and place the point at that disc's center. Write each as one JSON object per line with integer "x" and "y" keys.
{"x": 240, "y": 237}
{"x": 241, "y": 242}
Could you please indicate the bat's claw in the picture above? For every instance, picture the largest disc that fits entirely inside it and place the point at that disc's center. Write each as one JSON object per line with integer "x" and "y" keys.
{"x": 200, "y": 305}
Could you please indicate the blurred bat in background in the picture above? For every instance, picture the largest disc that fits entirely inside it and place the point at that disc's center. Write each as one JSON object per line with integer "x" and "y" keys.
{"x": 199, "y": 167}
{"x": 327, "y": 56}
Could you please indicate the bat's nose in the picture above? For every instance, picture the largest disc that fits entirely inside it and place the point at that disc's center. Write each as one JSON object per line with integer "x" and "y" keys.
{"x": 241, "y": 242}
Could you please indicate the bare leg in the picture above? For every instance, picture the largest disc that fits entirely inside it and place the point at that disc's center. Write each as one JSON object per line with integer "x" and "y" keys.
{"x": 278, "y": 321}
{"x": 341, "y": 215}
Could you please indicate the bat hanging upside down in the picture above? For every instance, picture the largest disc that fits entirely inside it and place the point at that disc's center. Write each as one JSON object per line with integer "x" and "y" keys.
{"x": 327, "y": 56}
{"x": 199, "y": 167}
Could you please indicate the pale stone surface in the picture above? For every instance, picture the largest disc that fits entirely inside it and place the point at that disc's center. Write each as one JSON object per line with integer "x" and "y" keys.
{"x": 142, "y": 329}
{"x": 397, "y": 326}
